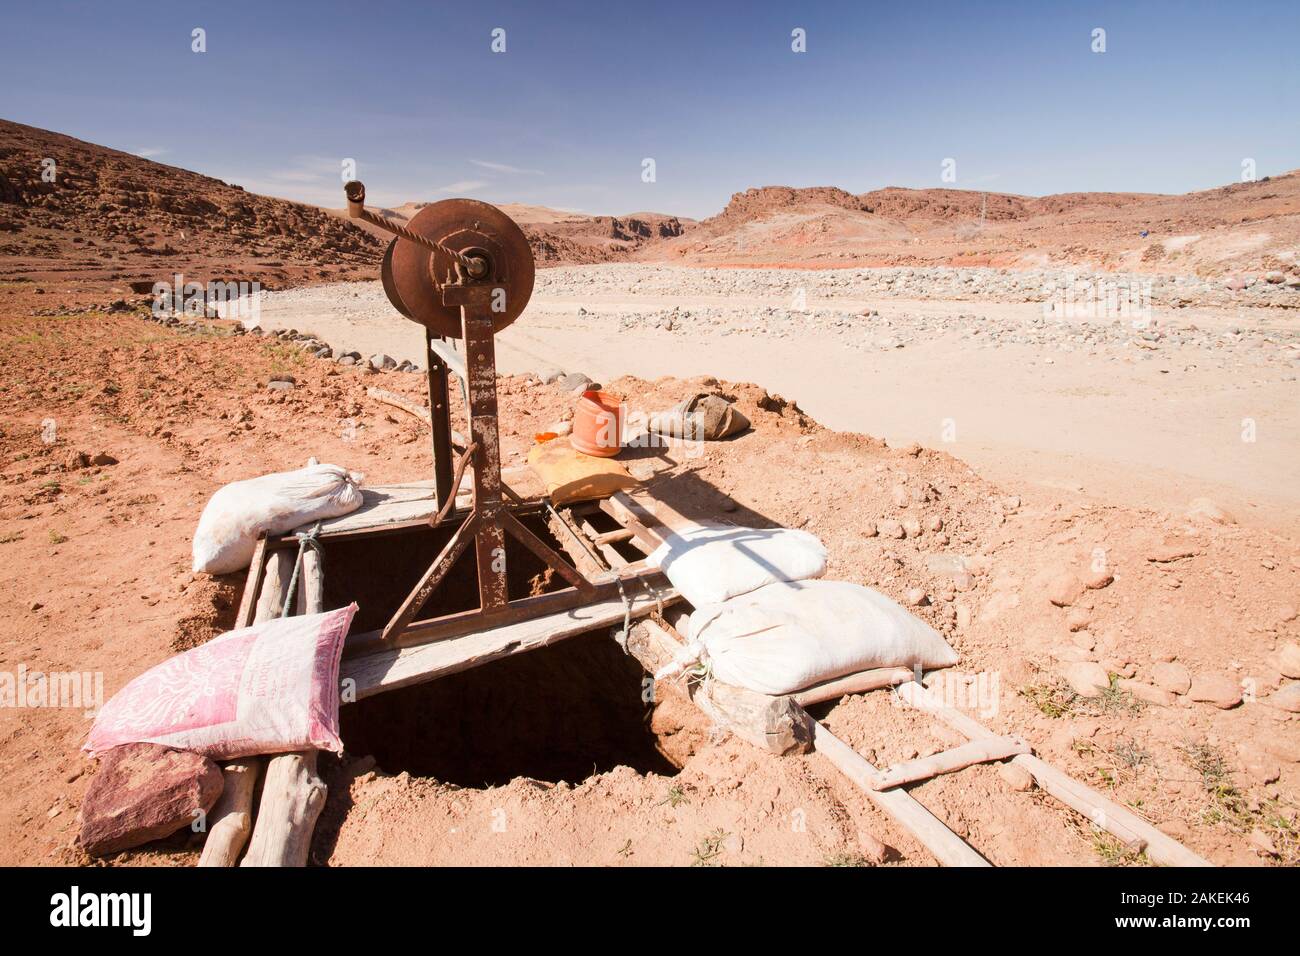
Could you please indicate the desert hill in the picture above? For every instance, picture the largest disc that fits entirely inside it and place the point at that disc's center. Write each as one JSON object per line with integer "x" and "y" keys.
{"x": 112, "y": 216}
{"x": 561, "y": 237}
{"x": 1250, "y": 227}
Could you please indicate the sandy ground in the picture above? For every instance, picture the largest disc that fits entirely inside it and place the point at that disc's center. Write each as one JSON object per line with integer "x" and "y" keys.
{"x": 1111, "y": 424}
{"x": 99, "y": 582}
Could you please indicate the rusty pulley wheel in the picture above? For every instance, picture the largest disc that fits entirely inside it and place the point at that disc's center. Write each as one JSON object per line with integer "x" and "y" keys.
{"x": 413, "y": 274}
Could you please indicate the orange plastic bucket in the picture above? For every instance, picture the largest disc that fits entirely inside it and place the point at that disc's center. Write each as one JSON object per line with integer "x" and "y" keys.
{"x": 598, "y": 424}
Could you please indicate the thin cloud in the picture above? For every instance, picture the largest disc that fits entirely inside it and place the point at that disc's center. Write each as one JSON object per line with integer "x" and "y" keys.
{"x": 463, "y": 186}
{"x": 149, "y": 152}
{"x": 506, "y": 168}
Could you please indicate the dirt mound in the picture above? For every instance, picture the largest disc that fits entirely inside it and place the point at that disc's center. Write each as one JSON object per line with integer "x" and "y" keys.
{"x": 101, "y": 215}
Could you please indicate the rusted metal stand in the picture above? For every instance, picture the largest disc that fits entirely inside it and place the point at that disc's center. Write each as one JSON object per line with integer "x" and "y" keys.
{"x": 463, "y": 269}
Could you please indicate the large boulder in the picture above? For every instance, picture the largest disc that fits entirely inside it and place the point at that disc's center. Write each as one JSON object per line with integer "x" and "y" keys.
{"x": 145, "y": 792}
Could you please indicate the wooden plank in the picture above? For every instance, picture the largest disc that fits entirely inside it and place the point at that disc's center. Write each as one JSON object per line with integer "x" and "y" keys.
{"x": 409, "y": 503}
{"x": 252, "y": 585}
{"x": 1121, "y": 823}
{"x": 403, "y": 667}
{"x": 390, "y": 504}
{"x": 616, "y": 560}
{"x": 645, "y": 537}
{"x": 651, "y": 511}
{"x": 950, "y": 761}
{"x": 568, "y": 536}
{"x": 947, "y": 847}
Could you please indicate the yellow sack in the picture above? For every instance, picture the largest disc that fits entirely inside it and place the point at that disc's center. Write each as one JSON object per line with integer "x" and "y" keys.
{"x": 571, "y": 476}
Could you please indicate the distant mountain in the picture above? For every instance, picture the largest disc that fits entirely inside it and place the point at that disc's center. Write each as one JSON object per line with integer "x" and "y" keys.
{"x": 559, "y": 237}
{"x": 1249, "y": 227}
{"x": 112, "y": 216}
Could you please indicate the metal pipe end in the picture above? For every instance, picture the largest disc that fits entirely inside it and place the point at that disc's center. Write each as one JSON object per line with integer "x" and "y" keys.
{"x": 356, "y": 193}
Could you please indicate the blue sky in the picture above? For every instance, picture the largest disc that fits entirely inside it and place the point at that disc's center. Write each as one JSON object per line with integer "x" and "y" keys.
{"x": 711, "y": 91}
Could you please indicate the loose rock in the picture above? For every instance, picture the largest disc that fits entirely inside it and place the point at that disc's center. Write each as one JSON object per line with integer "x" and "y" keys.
{"x": 144, "y": 792}
{"x": 1222, "y": 692}
{"x": 1172, "y": 677}
{"x": 1086, "y": 678}
{"x": 1288, "y": 698}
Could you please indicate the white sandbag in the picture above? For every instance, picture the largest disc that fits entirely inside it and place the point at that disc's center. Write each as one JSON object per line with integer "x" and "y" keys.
{"x": 709, "y": 563}
{"x": 272, "y": 504}
{"x": 787, "y": 636}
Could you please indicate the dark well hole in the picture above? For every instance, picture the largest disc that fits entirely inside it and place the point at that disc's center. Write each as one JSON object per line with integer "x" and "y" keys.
{"x": 562, "y": 712}
{"x": 378, "y": 571}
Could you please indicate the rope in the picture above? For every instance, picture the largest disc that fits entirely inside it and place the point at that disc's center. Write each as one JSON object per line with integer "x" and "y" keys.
{"x": 306, "y": 539}
{"x": 621, "y": 636}
{"x": 457, "y": 475}
{"x": 471, "y": 265}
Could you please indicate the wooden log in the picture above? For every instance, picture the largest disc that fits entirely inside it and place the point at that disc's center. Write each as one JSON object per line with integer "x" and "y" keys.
{"x": 293, "y": 794}
{"x": 950, "y": 761}
{"x": 1123, "y": 824}
{"x": 275, "y": 583}
{"x": 231, "y": 820}
{"x": 775, "y": 724}
{"x": 311, "y": 584}
{"x": 292, "y": 798}
{"x": 628, "y": 513}
{"x": 857, "y": 683}
{"x": 947, "y": 847}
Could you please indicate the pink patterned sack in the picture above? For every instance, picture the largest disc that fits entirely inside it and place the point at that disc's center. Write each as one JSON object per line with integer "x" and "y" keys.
{"x": 269, "y": 688}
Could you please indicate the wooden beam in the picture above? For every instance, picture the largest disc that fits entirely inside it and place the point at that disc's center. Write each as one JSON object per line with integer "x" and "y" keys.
{"x": 391, "y": 669}
{"x": 1121, "y": 823}
{"x": 947, "y": 847}
{"x": 620, "y": 508}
